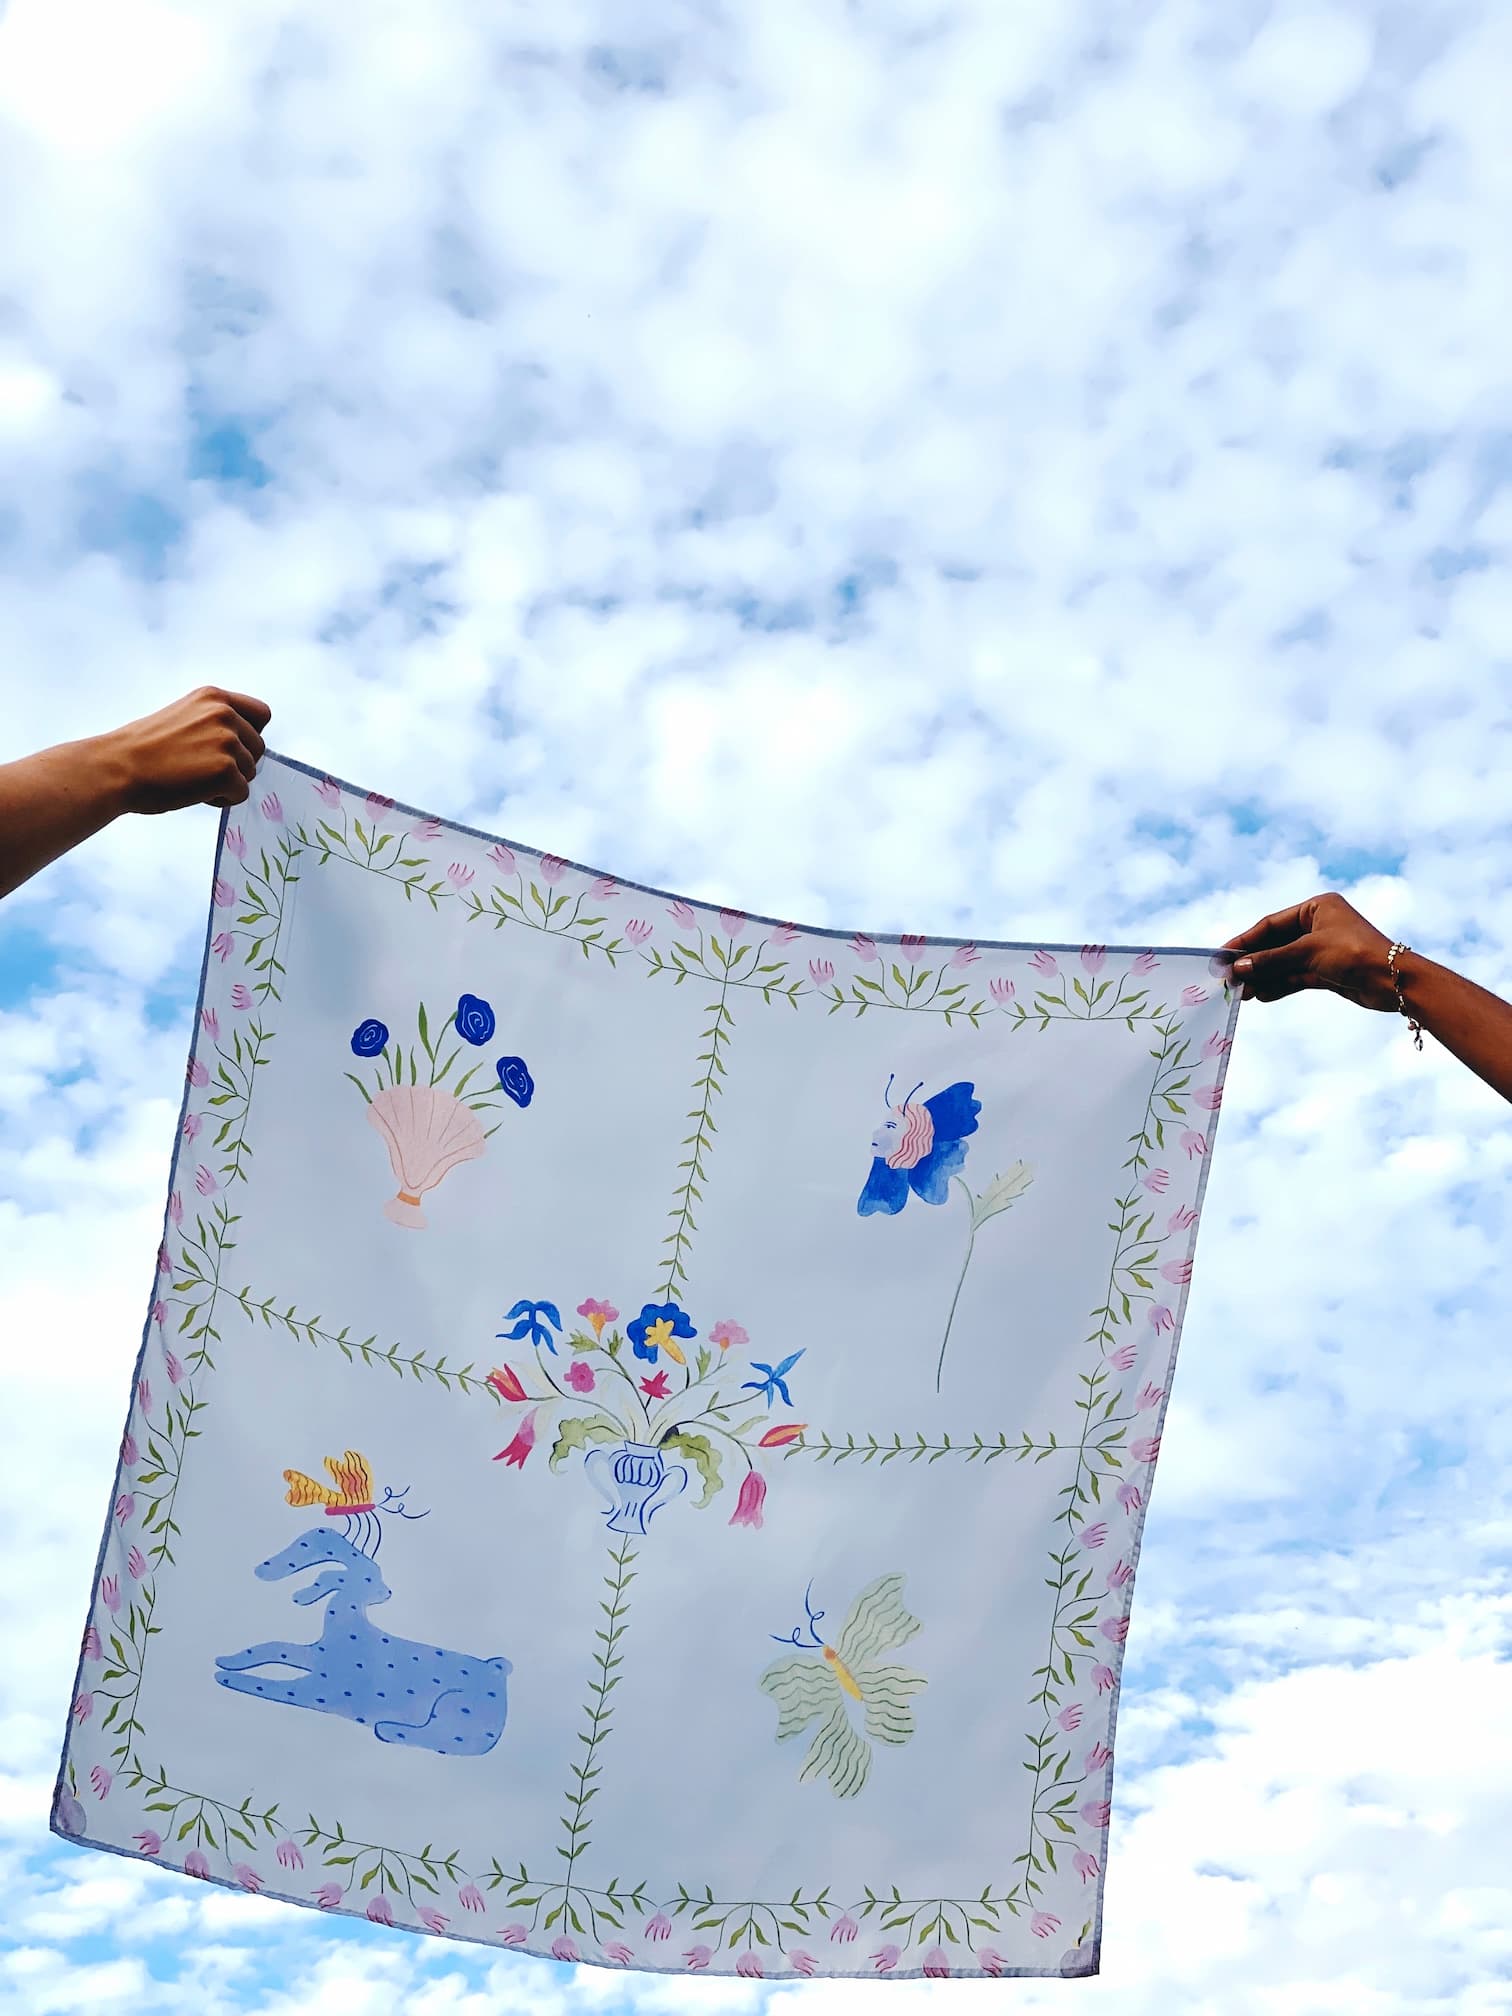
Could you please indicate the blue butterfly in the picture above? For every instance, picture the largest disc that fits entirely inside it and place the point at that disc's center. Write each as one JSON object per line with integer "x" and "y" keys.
{"x": 919, "y": 1147}
{"x": 774, "y": 1380}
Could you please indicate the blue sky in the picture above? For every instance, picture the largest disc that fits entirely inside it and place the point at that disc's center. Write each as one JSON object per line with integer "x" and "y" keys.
{"x": 1032, "y": 471}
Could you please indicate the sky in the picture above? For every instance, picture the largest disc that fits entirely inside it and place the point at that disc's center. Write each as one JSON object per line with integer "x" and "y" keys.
{"x": 1030, "y": 471}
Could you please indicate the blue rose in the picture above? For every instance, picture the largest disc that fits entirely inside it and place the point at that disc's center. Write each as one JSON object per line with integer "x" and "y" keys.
{"x": 369, "y": 1037}
{"x": 514, "y": 1076}
{"x": 475, "y": 1019}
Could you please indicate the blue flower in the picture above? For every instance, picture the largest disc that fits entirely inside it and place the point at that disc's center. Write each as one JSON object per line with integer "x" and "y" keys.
{"x": 514, "y": 1076}
{"x": 654, "y": 1330}
{"x": 527, "y": 1318}
{"x": 369, "y": 1037}
{"x": 919, "y": 1148}
{"x": 773, "y": 1381}
{"x": 474, "y": 1019}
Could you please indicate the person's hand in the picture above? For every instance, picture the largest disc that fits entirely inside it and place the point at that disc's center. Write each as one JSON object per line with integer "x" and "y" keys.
{"x": 1324, "y": 942}
{"x": 203, "y": 750}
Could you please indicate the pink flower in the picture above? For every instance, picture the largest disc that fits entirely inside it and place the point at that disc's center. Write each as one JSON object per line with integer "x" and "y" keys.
{"x": 964, "y": 956}
{"x": 432, "y": 1919}
{"x": 149, "y": 1841}
{"x": 173, "y": 1368}
{"x": 821, "y": 971}
{"x": 781, "y": 1433}
{"x": 865, "y": 949}
{"x": 125, "y": 1506}
{"x": 1156, "y": 1181}
{"x": 1094, "y": 1536}
{"x": 236, "y": 842}
{"x": 912, "y": 946}
{"x": 1217, "y": 1045}
{"x": 205, "y": 1182}
{"x": 1182, "y": 1220}
{"x": 1096, "y": 1812}
{"x": 638, "y": 930}
{"x": 271, "y": 809}
{"x": 222, "y": 945}
{"x": 1002, "y": 991}
{"x": 659, "y": 1927}
{"x": 129, "y": 1450}
{"x": 176, "y": 1207}
{"x": 1145, "y": 962}
{"x": 513, "y": 1457}
{"x": 1130, "y": 1497}
{"x": 195, "y": 1864}
{"x": 1123, "y": 1357}
{"x": 784, "y": 935}
{"x": 328, "y": 1896}
{"x": 1120, "y": 1574}
{"x": 144, "y": 1396}
{"x": 734, "y": 922}
{"x": 752, "y": 1497}
{"x": 936, "y": 1966}
{"x": 1194, "y": 1143}
{"x": 329, "y": 792}
{"x": 459, "y": 875}
{"x": 240, "y": 997}
{"x": 580, "y": 1376}
{"x": 1070, "y": 1717}
{"x": 1161, "y": 1318}
{"x": 83, "y": 1707}
{"x": 380, "y": 1910}
{"x": 1114, "y": 1629}
{"x": 682, "y": 915}
{"x": 1209, "y": 1097}
{"x": 1177, "y": 1271}
{"x": 426, "y": 829}
{"x": 222, "y": 893}
{"x": 377, "y": 806}
{"x": 92, "y": 1648}
{"x": 618, "y": 1952}
{"x": 136, "y": 1562}
{"x": 110, "y": 1593}
{"x": 1193, "y": 997}
{"x": 991, "y": 1962}
{"x": 160, "y": 1313}
{"x": 727, "y": 1335}
{"x": 1093, "y": 957}
{"x": 1102, "y": 1679}
{"x": 210, "y": 1023}
{"x": 1146, "y": 1449}
{"x": 503, "y": 858}
{"x": 505, "y": 1381}
{"x": 514, "y": 1935}
{"x": 885, "y": 1959}
{"x": 1044, "y": 962}
{"x": 199, "y": 1074}
{"x": 101, "y": 1780}
{"x": 553, "y": 868}
{"x": 563, "y": 1948}
{"x": 1148, "y": 1396}
{"x": 803, "y": 1963}
{"x": 598, "y": 1314}
{"x": 1042, "y": 1924}
{"x": 698, "y": 1957}
{"x": 1084, "y": 1862}
{"x": 288, "y": 1853}
{"x": 602, "y": 887}
{"x": 470, "y": 1897}
{"x": 248, "y": 1877}
{"x": 844, "y": 1930}
{"x": 749, "y": 1966}
{"x": 1098, "y": 1756}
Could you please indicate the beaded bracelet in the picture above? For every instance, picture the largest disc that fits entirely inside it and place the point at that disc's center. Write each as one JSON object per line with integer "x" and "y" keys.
{"x": 1396, "y": 980}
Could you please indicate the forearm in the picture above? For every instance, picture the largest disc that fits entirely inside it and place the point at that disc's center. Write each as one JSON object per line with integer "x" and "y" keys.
{"x": 51, "y": 801}
{"x": 1474, "y": 1025}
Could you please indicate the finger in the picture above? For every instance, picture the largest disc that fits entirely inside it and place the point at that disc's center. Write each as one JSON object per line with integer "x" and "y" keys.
{"x": 234, "y": 794}
{"x": 250, "y": 740}
{"x": 256, "y": 713}
{"x": 1272, "y": 975}
{"x": 1280, "y": 928}
{"x": 243, "y": 758}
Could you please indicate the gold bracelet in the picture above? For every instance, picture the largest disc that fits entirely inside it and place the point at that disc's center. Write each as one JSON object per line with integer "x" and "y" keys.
{"x": 1396, "y": 980}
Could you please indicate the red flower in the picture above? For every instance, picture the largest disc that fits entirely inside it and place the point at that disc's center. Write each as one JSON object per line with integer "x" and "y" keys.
{"x": 783, "y": 1433}
{"x": 522, "y": 1444}
{"x": 505, "y": 1383}
{"x": 752, "y": 1497}
{"x": 655, "y": 1388}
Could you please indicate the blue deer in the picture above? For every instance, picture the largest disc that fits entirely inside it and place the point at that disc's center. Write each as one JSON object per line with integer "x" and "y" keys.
{"x": 432, "y": 1699}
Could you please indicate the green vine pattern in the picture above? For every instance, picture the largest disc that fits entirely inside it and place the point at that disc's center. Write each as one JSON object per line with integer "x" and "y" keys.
{"x": 422, "y": 1365}
{"x": 694, "y": 1168}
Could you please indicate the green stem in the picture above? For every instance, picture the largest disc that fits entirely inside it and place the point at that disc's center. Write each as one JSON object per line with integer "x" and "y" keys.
{"x": 960, "y": 1281}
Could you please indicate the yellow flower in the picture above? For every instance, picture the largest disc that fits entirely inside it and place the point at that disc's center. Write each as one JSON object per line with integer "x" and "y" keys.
{"x": 659, "y": 1335}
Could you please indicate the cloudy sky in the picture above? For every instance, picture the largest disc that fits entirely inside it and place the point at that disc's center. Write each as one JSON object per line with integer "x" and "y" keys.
{"x": 1030, "y": 469}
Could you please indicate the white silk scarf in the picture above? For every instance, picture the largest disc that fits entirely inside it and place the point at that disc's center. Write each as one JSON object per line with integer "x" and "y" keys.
{"x": 646, "y": 1414}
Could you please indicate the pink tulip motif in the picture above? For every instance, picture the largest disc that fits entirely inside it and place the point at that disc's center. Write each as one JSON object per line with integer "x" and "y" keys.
{"x": 125, "y": 1507}
{"x": 272, "y": 809}
{"x": 1208, "y": 1097}
{"x": 602, "y": 887}
{"x": 83, "y": 1708}
{"x": 210, "y": 1023}
{"x": 964, "y": 956}
{"x": 222, "y": 893}
{"x": 752, "y": 1497}
{"x": 199, "y": 1076}
{"x": 110, "y": 1593}
{"x": 328, "y": 791}
{"x": 1114, "y": 1629}
{"x": 1096, "y": 1812}
{"x": 1130, "y": 1497}
{"x": 1156, "y": 1181}
{"x": 563, "y": 1947}
{"x": 1084, "y": 1862}
{"x": 803, "y": 1963}
{"x": 1182, "y": 1219}
{"x": 129, "y": 1451}
{"x": 749, "y": 1966}
{"x": 1103, "y": 1679}
{"x": 734, "y": 922}
{"x": 682, "y": 915}
{"x": 426, "y": 830}
{"x": 1148, "y": 1396}
{"x": 991, "y": 1962}
{"x": 1145, "y": 1449}
{"x": 844, "y": 1930}
{"x": 698, "y": 1957}
{"x": 885, "y": 1959}
{"x": 618, "y": 1952}
{"x": 160, "y": 1313}
{"x": 1217, "y": 1045}
{"x": 821, "y": 971}
{"x": 1123, "y": 1358}
{"x": 1143, "y": 963}
{"x": 176, "y": 1207}
{"x": 1044, "y": 962}
{"x": 1043, "y": 1923}
{"x": 149, "y": 1841}
{"x": 1093, "y": 958}
{"x": 1002, "y": 991}
{"x": 236, "y": 842}
{"x": 204, "y": 1181}
{"x": 241, "y": 997}
{"x": 553, "y": 868}
{"x": 1194, "y": 1143}
{"x": 222, "y": 945}
{"x": 101, "y": 1780}
{"x": 1070, "y": 1717}
{"x": 378, "y": 808}
{"x": 659, "y": 1927}
{"x": 137, "y": 1563}
{"x": 911, "y": 945}
{"x": 1098, "y": 1756}
{"x": 1193, "y": 997}
{"x": 289, "y": 1856}
{"x": 470, "y": 1897}
{"x": 1095, "y": 1534}
{"x": 380, "y": 1910}
{"x": 459, "y": 875}
{"x": 1177, "y": 1271}
{"x": 328, "y": 1896}
{"x": 503, "y": 858}
{"x": 865, "y": 949}
{"x": 638, "y": 930}
{"x": 92, "y": 1648}
{"x": 432, "y": 1919}
{"x": 248, "y": 1877}
{"x": 514, "y": 1935}
{"x": 1120, "y": 1575}
{"x": 936, "y": 1966}
{"x": 195, "y": 1864}
{"x": 784, "y": 935}
{"x": 1161, "y": 1319}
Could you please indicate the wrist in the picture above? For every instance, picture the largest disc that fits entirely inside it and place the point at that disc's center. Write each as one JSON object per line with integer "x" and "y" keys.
{"x": 101, "y": 773}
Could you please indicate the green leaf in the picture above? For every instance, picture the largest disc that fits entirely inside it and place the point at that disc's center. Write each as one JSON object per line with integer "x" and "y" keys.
{"x": 1003, "y": 1190}
{"x": 581, "y": 1341}
{"x": 579, "y": 1431}
{"x": 702, "y": 1454}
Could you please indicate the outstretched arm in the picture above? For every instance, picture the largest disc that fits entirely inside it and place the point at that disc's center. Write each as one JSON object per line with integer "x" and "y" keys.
{"x": 203, "y": 750}
{"x": 1326, "y": 943}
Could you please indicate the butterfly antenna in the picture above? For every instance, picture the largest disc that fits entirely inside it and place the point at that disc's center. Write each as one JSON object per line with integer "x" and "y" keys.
{"x": 887, "y": 1095}
{"x": 918, "y": 1088}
